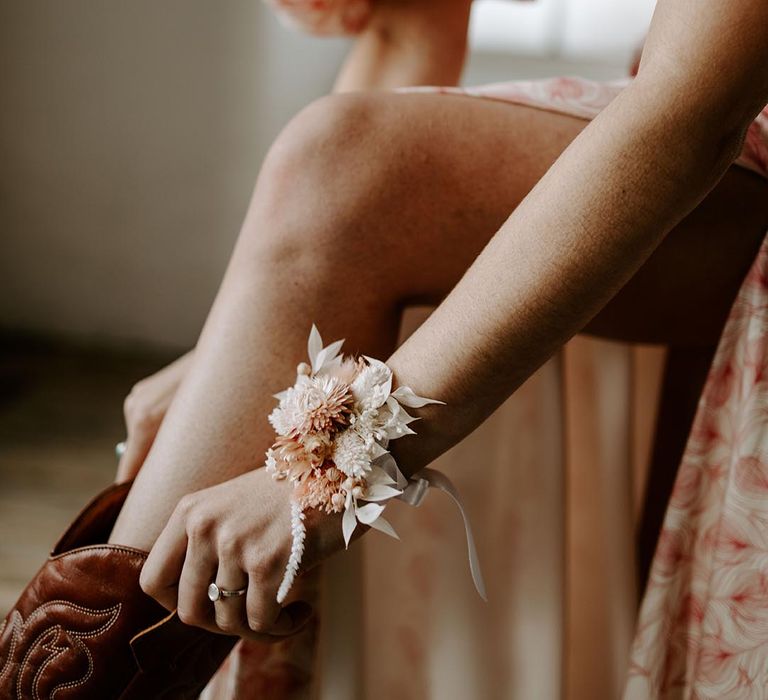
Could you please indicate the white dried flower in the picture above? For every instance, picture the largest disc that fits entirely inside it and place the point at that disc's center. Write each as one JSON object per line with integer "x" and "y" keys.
{"x": 317, "y": 446}
{"x": 316, "y": 404}
{"x": 372, "y": 385}
{"x": 299, "y": 533}
{"x": 332, "y": 424}
{"x": 350, "y": 454}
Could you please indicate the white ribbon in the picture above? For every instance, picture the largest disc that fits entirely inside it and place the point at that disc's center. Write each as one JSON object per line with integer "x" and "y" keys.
{"x": 414, "y": 491}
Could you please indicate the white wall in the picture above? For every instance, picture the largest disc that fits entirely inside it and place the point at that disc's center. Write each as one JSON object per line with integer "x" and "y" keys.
{"x": 131, "y": 134}
{"x": 571, "y": 29}
{"x": 130, "y": 137}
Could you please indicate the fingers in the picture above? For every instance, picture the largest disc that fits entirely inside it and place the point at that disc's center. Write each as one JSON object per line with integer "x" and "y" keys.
{"x": 214, "y": 536}
{"x": 199, "y": 571}
{"x": 142, "y": 422}
{"x": 231, "y": 616}
{"x": 144, "y": 409}
{"x": 266, "y": 617}
{"x": 262, "y": 608}
{"x": 137, "y": 448}
{"x": 161, "y": 572}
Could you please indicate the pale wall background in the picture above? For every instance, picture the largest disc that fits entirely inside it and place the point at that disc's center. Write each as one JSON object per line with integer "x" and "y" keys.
{"x": 131, "y": 134}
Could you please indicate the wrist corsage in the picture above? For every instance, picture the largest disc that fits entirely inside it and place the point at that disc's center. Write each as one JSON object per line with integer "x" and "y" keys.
{"x": 333, "y": 427}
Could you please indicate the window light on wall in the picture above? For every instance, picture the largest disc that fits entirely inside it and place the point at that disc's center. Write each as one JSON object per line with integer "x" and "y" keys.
{"x": 566, "y": 28}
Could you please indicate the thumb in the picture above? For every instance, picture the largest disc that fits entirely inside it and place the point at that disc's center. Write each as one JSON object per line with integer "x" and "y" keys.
{"x": 291, "y": 619}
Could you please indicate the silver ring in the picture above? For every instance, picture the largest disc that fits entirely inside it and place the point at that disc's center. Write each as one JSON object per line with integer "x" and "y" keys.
{"x": 120, "y": 449}
{"x": 215, "y": 593}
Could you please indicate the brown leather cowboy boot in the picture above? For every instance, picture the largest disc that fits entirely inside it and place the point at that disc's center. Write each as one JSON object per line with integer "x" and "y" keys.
{"x": 83, "y": 628}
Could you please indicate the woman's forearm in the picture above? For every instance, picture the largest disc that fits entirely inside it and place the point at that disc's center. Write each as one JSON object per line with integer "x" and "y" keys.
{"x": 644, "y": 163}
{"x": 408, "y": 43}
{"x": 578, "y": 237}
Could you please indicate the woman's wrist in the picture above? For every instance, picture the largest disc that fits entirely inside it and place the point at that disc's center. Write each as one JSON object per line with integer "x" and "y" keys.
{"x": 333, "y": 428}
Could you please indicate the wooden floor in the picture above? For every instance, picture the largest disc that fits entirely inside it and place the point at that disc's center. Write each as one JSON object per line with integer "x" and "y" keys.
{"x": 60, "y": 417}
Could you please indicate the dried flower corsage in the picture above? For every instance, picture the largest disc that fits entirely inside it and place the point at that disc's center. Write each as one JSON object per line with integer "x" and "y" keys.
{"x": 333, "y": 427}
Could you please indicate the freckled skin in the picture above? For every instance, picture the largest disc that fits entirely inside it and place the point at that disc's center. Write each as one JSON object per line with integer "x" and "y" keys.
{"x": 525, "y": 225}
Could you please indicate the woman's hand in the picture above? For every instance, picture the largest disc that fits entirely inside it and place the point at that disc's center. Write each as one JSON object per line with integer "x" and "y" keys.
{"x": 144, "y": 409}
{"x": 238, "y": 535}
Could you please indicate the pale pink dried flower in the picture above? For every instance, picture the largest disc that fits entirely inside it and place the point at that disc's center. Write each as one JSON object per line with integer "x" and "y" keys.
{"x": 350, "y": 454}
{"x": 332, "y": 423}
{"x": 318, "y": 491}
{"x": 317, "y": 447}
{"x": 325, "y": 406}
{"x": 312, "y": 405}
{"x": 291, "y": 458}
{"x": 349, "y": 369}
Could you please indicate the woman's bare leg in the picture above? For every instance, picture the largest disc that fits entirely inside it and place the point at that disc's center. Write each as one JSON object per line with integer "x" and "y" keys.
{"x": 364, "y": 204}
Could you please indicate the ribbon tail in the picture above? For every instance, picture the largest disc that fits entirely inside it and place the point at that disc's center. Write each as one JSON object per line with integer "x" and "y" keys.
{"x": 440, "y": 481}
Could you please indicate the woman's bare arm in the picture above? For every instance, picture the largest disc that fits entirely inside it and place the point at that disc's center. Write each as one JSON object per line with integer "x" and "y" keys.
{"x": 408, "y": 42}
{"x": 594, "y": 218}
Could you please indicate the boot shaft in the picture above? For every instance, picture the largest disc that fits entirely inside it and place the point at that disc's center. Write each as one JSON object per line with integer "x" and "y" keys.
{"x": 83, "y": 628}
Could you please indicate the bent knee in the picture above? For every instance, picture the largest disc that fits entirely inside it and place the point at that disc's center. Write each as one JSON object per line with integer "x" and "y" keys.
{"x": 329, "y": 127}
{"x": 325, "y": 168}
